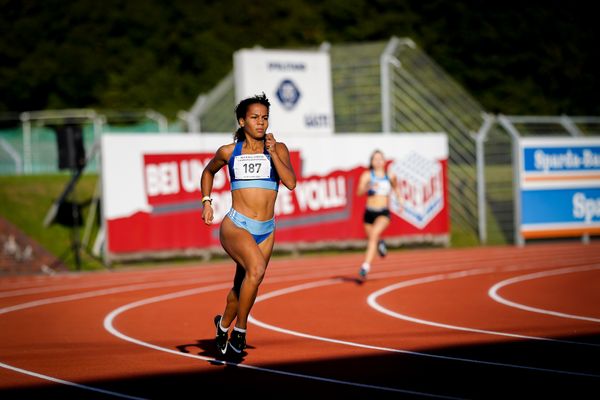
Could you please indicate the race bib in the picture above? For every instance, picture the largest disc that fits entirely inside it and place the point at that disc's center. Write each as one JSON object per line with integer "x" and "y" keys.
{"x": 252, "y": 166}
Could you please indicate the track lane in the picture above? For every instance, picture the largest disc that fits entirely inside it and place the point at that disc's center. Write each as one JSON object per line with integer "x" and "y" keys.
{"x": 192, "y": 325}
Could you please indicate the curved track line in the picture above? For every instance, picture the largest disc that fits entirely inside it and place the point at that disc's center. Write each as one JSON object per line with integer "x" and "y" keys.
{"x": 103, "y": 292}
{"x": 96, "y": 293}
{"x": 305, "y": 286}
{"x": 109, "y": 326}
{"x": 493, "y": 292}
{"x": 372, "y": 301}
{"x": 68, "y": 383}
{"x": 57, "y": 288}
{"x": 73, "y": 297}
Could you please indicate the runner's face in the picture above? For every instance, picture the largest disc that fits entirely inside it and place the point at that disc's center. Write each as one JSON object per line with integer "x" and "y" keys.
{"x": 256, "y": 121}
{"x": 378, "y": 161}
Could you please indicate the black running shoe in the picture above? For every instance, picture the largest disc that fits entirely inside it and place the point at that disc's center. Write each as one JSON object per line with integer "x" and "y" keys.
{"x": 221, "y": 337}
{"x": 362, "y": 273}
{"x": 381, "y": 248}
{"x": 237, "y": 341}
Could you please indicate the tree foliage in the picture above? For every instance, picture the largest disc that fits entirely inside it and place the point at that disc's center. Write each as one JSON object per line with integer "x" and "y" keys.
{"x": 535, "y": 57}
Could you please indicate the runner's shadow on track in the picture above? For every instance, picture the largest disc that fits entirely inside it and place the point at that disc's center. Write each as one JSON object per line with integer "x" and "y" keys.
{"x": 352, "y": 279}
{"x": 209, "y": 349}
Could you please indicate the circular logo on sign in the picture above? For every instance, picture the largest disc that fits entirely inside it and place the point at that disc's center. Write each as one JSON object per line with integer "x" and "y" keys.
{"x": 288, "y": 94}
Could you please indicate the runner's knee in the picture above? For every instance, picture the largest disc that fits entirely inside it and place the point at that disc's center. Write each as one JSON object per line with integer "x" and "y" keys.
{"x": 256, "y": 273}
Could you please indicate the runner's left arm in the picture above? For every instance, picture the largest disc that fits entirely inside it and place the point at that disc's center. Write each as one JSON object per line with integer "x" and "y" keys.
{"x": 281, "y": 160}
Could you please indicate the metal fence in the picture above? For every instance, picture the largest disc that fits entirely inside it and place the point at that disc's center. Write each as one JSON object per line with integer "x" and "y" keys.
{"x": 28, "y": 142}
{"x": 389, "y": 86}
{"x": 496, "y": 140}
{"x": 386, "y": 87}
{"x": 418, "y": 96}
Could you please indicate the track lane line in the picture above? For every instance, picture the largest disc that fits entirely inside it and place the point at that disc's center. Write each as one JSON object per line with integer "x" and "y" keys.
{"x": 121, "y": 289}
{"x": 372, "y": 301}
{"x": 493, "y": 292}
{"x": 109, "y": 326}
{"x": 69, "y": 383}
{"x": 163, "y": 284}
{"x": 305, "y": 286}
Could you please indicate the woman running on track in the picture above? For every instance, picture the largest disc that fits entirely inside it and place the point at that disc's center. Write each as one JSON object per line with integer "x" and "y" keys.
{"x": 256, "y": 162}
{"x": 378, "y": 185}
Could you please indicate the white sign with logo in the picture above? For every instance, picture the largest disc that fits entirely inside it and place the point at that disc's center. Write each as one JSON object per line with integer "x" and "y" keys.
{"x": 422, "y": 186}
{"x": 297, "y": 83}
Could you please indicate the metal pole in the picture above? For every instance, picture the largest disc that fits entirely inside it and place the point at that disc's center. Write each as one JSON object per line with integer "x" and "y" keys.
{"x": 516, "y": 163}
{"x": 27, "y": 161}
{"x": 570, "y": 126}
{"x": 161, "y": 120}
{"x": 384, "y": 65}
{"x": 488, "y": 123}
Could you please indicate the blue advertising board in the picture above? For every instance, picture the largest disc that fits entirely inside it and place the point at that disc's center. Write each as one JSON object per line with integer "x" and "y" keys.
{"x": 559, "y": 187}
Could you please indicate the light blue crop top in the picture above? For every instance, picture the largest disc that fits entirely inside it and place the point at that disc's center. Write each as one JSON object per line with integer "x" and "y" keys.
{"x": 379, "y": 185}
{"x": 252, "y": 170}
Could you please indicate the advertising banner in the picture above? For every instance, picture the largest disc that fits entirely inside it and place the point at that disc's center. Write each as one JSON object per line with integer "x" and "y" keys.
{"x": 559, "y": 183}
{"x": 151, "y": 190}
{"x": 297, "y": 83}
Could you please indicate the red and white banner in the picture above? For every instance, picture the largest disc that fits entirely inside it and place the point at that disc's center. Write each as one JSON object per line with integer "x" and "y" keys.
{"x": 151, "y": 190}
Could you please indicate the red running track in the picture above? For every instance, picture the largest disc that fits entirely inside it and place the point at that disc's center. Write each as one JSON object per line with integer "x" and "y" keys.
{"x": 491, "y": 322}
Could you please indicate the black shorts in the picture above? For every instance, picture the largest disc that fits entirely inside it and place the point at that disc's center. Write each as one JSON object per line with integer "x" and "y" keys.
{"x": 371, "y": 215}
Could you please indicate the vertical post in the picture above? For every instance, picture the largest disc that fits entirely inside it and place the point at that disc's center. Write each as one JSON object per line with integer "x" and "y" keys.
{"x": 516, "y": 162}
{"x": 385, "y": 80}
{"x": 75, "y": 171}
{"x": 574, "y": 131}
{"x": 488, "y": 123}
{"x": 517, "y": 191}
{"x": 194, "y": 117}
{"x": 27, "y": 157}
{"x": 97, "y": 122}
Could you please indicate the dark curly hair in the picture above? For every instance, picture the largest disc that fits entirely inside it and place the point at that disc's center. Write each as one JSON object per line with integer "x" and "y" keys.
{"x": 242, "y": 108}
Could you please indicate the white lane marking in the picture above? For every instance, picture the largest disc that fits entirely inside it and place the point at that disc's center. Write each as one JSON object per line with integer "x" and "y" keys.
{"x": 163, "y": 284}
{"x": 493, "y": 292}
{"x": 127, "y": 276}
{"x": 127, "y": 280}
{"x": 305, "y": 286}
{"x": 109, "y": 326}
{"x": 73, "y": 297}
{"x": 97, "y": 293}
{"x": 68, "y": 383}
{"x": 57, "y": 288}
{"x": 372, "y": 301}
{"x": 103, "y": 292}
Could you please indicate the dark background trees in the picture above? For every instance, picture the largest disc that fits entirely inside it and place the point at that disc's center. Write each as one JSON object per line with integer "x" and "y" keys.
{"x": 527, "y": 57}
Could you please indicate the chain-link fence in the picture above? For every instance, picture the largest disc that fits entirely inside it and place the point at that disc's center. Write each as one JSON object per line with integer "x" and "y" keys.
{"x": 389, "y": 86}
{"x": 496, "y": 175}
{"x": 29, "y": 144}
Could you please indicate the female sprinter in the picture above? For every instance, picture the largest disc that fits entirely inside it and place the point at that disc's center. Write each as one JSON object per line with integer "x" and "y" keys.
{"x": 256, "y": 164}
{"x": 378, "y": 185}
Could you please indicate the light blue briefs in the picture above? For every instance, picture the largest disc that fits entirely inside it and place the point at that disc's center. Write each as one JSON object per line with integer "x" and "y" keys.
{"x": 260, "y": 230}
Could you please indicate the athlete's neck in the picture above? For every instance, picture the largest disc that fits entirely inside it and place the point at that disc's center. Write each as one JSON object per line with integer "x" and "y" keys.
{"x": 379, "y": 172}
{"x": 253, "y": 144}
